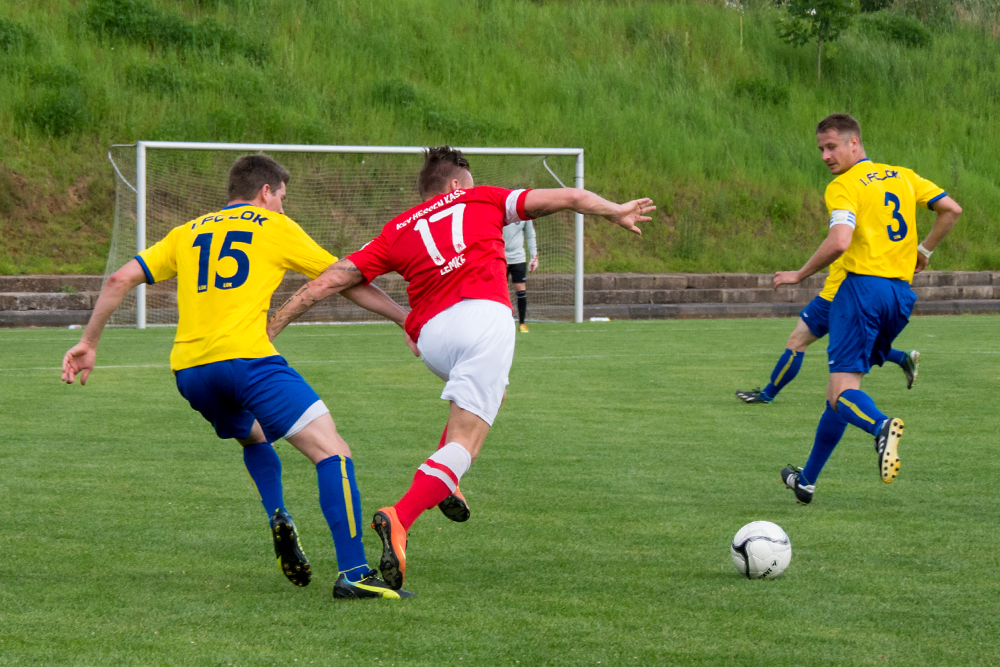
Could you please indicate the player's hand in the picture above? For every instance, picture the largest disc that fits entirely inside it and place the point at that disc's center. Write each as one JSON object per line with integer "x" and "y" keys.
{"x": 633, "y": 212}
{"x": 412, "y": 345}
{"x": 786, "y": 278}
{"x": 79, "y": 360}
{"x": 921, "y": 263}
{"x": 533, "y": 264}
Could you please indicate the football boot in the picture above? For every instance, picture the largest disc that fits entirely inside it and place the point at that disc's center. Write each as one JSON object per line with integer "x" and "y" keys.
{"x": 803, "y": 492}
{"x": 910, "y": 367}
{"x": 887, "y": 447}
{"x": 752, "y": 396}
{"x": 455, "y": 507}
{"x": 369, "y": 587}
{"x": 287, "y": 548}
{"x": 392, "y": 564}
{"x": 523, "y": 328}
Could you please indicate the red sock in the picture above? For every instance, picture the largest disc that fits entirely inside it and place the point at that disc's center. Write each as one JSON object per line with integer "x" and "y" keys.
{"x": 435, "y": 479}
{"x": 444, "y": 437}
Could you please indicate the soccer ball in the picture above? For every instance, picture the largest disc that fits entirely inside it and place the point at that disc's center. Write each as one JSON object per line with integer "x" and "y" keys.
{"x": 761, "y": 550}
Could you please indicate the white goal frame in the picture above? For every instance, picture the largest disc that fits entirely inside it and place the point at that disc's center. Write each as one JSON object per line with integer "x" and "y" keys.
{"x": 140, "y": 192}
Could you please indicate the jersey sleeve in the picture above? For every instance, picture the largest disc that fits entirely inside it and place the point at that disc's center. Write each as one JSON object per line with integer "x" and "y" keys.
{"x": 838, "y": 198}
{"x": 373, "y": 258}
{"x": 841, "y": 204}
{"x": 301, "y": 253}
{"x": 925, "y": 192}
{"x": 159, "y": 261}
{"x": 529, "y": 236}
{"x": 511, "y": 202}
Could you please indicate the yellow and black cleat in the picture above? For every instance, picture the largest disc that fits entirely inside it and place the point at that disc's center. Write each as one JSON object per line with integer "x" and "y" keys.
{"x": 291, "y": 560}
{"x": 369, "y": 587}
{"x": 887, "y": 446}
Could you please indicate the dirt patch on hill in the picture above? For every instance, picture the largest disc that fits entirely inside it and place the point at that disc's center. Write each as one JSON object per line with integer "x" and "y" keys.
{"x": 48, "y": 226}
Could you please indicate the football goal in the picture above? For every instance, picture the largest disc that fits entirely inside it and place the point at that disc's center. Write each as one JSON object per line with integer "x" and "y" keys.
{"x": 341, "y": 196}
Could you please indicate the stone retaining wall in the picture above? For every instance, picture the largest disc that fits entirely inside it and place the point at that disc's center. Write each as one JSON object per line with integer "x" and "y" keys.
{"x": 64, "y": 300}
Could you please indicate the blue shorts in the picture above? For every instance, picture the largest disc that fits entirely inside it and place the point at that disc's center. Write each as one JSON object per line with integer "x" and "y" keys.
{"x": 816, "y": 315}
{"x": 866, "y": 316}
{"x": 232, "y": 394}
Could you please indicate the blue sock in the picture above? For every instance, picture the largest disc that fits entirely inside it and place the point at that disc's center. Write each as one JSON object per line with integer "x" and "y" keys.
{"x": 897, "y": 357}
{"x": 828, "y": 433}
{"x": 264, "y": 467}
{"x": 341, "y": 504}
{"x": 859, "y": 409}
{"x": 784, "y": 372}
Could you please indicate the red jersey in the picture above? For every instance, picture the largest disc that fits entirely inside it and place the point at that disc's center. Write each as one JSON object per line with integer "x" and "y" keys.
{"x": 448, "y": 248}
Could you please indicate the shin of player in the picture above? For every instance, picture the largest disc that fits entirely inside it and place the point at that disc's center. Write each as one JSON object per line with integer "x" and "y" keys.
{"x": 450, "y": 251}
{"x": 873, "y": 226}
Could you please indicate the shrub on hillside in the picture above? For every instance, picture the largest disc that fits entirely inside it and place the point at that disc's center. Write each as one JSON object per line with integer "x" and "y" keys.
{"x": 54, "y": 75}
{"x": 451, "y": 124}
{"x": 139, "y": 22}
{"x": 154, "y": 78}
{"x": 762, "y": 91}
{"x": 930, "y": 12}
{"x": 14, "y": 36}
{"x": 869, "y": 6}
{"x": 898, "y": 28}
{"x": 56, "y": 111}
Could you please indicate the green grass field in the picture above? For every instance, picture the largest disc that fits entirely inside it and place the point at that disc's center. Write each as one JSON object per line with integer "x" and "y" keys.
{"x": 603, "y": 505}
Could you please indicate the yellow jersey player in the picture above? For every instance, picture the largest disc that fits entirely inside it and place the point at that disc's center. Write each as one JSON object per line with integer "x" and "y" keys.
{"x": 228, "y": 263}
{"x": 813, "y": 324}
{"x": 873, "y": 227}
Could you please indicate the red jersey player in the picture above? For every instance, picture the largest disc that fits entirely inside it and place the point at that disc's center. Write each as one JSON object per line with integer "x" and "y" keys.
{"x": 450, "y": 250}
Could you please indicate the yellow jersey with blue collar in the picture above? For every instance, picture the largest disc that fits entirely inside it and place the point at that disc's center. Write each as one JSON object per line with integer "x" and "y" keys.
{"x": 228, "y": 264}
{"x": 880, "y": 202}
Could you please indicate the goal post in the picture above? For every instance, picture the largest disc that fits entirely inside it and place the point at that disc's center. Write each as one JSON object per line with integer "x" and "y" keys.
{"x": 341, "y": 195}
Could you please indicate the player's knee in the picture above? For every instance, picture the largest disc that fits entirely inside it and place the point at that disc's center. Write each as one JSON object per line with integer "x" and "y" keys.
{"x": 520, "y": 287}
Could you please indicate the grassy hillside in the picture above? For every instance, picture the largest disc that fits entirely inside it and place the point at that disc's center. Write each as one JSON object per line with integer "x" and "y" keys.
{"x": 661, "y": 95}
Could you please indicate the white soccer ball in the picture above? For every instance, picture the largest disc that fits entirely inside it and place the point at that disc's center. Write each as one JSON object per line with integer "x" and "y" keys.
{"x": 761, "y": 550}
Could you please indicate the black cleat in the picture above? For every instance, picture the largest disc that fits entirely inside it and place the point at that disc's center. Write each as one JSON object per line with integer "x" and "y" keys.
{"x": 369, "y": 587}
{"x": 887, "y": 446}
{"x": 291, "y": 560}
{"x": 455, "y": 508}
{"x": 910, "y": 367}
{"x": 803, "y": 492}
{"x": 752, "y": 396}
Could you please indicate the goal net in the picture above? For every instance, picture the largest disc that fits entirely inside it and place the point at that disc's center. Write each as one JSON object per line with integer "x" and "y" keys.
{"x": 341, "y": 196}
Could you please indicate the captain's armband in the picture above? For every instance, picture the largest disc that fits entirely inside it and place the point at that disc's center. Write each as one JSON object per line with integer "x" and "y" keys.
{"x": 843, "y": 217}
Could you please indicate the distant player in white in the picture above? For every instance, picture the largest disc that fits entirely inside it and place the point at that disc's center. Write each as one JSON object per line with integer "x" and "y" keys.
{"x": 514, "y": 236}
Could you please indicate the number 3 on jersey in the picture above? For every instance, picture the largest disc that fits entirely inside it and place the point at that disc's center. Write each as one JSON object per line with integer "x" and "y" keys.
{"x": 457, "y": 239}
{"x": 204, "y": 244}
{"x": 899, "y": 233}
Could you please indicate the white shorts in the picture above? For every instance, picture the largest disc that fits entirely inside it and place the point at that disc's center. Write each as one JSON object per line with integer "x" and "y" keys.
{"x": 471, "y": 346}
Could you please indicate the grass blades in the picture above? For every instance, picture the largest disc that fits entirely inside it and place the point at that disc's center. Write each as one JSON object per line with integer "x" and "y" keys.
{"x": 603, "y": 505}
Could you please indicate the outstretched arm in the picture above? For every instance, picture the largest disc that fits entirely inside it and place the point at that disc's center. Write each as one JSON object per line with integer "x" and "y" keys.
{"x": 947, "y": 210}
{"x": 542, "y": 202}
{"x": 836, "y": 243}
{"x": 81, "y": 357}
{"x": 339, "y": 277}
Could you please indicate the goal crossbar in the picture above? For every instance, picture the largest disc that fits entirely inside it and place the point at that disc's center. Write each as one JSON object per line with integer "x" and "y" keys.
{"x": 140, "y": 190}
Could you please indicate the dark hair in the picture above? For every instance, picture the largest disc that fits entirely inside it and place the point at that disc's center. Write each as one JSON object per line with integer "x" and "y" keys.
{"x": 251, "y": 172}
{"x": 842, "y": 123}
{"x": 441, "y": 164}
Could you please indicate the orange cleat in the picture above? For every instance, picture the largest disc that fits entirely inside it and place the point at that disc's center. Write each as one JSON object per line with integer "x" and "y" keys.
{"x": 455, "y": 507}
{"x": 393, "y": 562}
